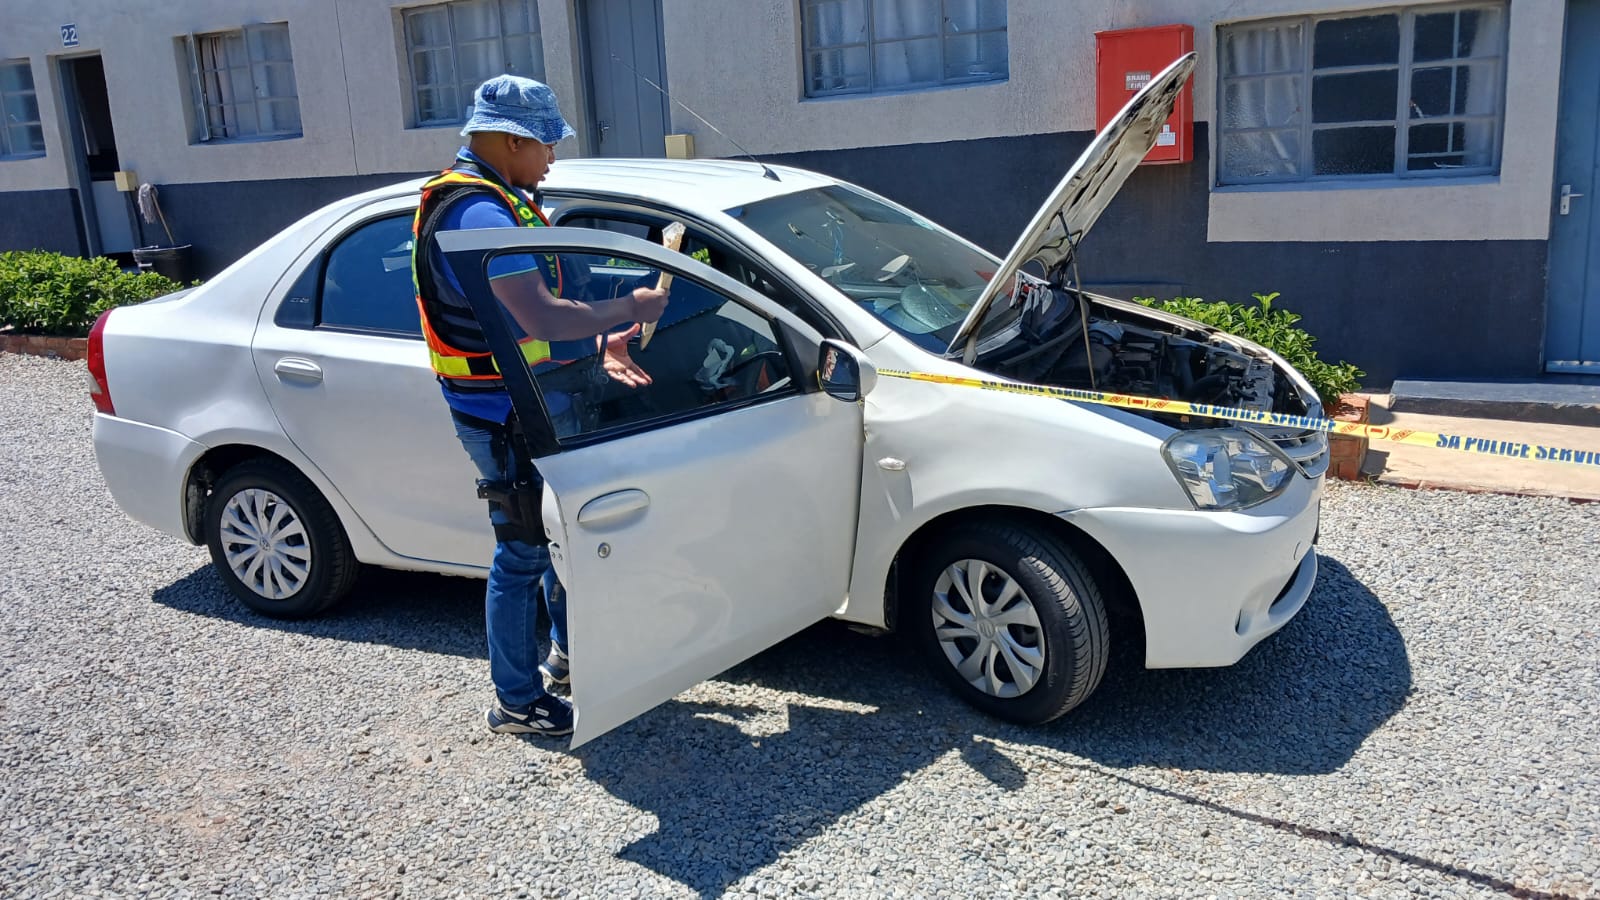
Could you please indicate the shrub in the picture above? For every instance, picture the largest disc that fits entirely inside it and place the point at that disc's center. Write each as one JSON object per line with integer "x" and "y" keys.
{"x": 48, "y": 293}
{"x": 1274, "y": 329}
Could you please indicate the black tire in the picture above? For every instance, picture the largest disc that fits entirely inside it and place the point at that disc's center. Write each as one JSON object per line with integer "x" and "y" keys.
{"x": 1065, "y": 600}
{"x": 302, "y": 591}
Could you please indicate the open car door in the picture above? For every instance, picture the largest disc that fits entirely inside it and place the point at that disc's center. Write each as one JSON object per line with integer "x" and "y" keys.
{"x": 694, "y": 521}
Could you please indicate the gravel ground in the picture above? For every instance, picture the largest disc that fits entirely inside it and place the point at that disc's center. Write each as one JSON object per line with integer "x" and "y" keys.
{"x": 1426, "y": 726}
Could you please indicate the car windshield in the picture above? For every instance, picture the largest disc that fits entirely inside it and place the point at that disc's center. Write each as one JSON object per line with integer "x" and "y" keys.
{"x": 918, "y": 278}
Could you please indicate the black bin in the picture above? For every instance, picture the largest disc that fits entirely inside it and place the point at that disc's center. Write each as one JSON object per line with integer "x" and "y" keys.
{"x": 173, "y": 262}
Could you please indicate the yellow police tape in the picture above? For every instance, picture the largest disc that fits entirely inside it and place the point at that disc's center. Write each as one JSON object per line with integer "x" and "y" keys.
{"x": 1459, "y": 443}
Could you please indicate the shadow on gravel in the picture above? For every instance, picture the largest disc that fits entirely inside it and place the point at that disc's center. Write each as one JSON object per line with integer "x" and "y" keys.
{"x": 733, "y": 792}
{"x": 409, "y": 610}
{"x": 733, "y": 788}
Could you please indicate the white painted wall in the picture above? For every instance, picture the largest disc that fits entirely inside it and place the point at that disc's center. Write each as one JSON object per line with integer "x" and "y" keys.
{"x": 1515, "y": 205}
{"x": 374, "y": 54}
{"x": 737, "y": 63}
{"x": 751, "y": 87}
{"x": 147, "y": 81}
{"x": 354, "y": 127}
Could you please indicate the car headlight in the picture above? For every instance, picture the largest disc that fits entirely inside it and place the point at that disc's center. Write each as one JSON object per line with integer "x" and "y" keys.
{"x": 1228, "y": 468}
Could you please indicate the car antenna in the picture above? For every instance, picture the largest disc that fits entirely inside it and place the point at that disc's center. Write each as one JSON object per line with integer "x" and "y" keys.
{"x": 766, "y": 171}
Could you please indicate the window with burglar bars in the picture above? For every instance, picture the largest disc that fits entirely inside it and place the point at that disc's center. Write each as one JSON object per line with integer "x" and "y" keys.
{"x": 244, "y": 84}
{"x": 869, "y": 46}
{"x": 1416, "y": 92}
{"x": 21, "y": 135}
{"x": 454, "y": 47}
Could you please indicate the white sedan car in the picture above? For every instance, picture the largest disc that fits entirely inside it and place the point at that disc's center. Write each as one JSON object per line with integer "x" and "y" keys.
{"x": 285, "y": 415}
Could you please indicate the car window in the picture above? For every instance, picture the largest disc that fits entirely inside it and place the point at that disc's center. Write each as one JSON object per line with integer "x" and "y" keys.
{"x": 709, "y": 352}
{"x": 367, "y": 282}
{"x": 915, "y": 276}
{"x": 713, "y": 253}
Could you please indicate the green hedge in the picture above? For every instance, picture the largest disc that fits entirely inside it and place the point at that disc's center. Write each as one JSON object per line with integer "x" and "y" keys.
{"x": 1274, "y": 329}
{"x": 47, "y": 293}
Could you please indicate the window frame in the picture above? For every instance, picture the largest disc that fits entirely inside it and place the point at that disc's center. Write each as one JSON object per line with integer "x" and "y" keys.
{"x": 783, "y": 336}
{"x": 7, "y": 152}
{"x": 206, "y": 130}
{"x": 469, "y": 252}
{"x": 872, "y": 43}
{"x": 577, "y": 206}
{"x": 322, "y": 283}
{"x": 464, "y": 90}
{"x": 300, "y": 308}
{"x": 1405, "y": 66}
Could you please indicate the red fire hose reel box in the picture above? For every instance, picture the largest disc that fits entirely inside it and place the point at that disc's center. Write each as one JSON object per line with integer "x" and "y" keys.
{"x": 1125, "y": 61}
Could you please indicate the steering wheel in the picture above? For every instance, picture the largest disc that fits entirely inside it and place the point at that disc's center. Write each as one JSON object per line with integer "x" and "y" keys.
{"x": 927, "y": 307}
{"x": 746, "y": 366}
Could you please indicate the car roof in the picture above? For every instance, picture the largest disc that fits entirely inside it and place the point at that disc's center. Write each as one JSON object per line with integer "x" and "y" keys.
{"x": 695, "y": 185}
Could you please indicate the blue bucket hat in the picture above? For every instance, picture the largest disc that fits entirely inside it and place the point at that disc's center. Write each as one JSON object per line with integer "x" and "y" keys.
{"x": 520, "y": 106}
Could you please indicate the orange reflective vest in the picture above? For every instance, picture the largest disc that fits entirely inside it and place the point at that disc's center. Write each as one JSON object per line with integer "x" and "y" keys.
{"x": 447, "y": 360}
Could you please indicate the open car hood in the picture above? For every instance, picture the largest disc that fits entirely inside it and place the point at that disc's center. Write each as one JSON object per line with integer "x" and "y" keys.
{"x": 1085, "y": 191}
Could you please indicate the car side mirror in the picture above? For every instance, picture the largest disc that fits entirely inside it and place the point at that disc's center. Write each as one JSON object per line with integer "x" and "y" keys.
{"x": 844, "y": 372}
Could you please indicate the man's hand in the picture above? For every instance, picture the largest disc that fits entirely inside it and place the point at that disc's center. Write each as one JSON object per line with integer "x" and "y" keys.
{"x": 649, "y": 304}
{"x": 618, "y": 364}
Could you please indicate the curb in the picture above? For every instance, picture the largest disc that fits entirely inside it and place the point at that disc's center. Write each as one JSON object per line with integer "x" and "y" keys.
{"x": 1418, "y": 484}
{"x": 74, "y": 348}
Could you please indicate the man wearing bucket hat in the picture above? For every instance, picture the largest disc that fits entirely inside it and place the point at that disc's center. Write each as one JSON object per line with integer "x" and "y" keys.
{"x": 512, "y": 133}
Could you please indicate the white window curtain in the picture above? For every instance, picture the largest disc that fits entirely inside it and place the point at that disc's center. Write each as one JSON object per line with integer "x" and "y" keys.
{"x": 245, "y": 83}
{"x": 1406, "y": 93}
{"x": 1262, "y": 94}
{"x": 455, "y": 47}
{"x": 836, "y": 32}
{"x": 21, "y": 133}
{"x": 866, "y": 45}
{"x": 907, "y": 36}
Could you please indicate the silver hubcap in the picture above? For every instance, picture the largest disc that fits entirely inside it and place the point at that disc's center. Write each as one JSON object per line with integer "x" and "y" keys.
{"x": 265, "y": 543}
{"x": 988, "y": 628}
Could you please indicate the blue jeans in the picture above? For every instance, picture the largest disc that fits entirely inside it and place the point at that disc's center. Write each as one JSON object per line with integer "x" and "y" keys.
{"x": 511, "y": 604}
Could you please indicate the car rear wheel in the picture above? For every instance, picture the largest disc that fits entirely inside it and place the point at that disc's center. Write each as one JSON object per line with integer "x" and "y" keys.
{"x": 276, "y": 542}
{"x": 1011, "y": 618}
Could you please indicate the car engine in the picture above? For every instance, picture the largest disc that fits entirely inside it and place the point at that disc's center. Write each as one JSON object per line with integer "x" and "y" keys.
{"x": 1149, "y": 359}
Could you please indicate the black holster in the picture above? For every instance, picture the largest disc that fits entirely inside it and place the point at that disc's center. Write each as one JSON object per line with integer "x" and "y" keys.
{"x": 521, "y": 503}
{"x": 521, "y": 500}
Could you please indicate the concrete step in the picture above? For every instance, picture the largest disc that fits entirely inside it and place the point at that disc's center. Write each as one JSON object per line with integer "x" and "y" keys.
{"x": 1409, "y": 465}
{"x": 1565, "y": 400}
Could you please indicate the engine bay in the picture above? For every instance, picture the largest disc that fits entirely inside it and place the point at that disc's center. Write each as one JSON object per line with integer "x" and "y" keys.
{"x": 1126, "y": 353}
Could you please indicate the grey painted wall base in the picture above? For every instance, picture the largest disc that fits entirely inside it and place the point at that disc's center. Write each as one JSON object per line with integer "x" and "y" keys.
{"x": 1431, "y": 309}
{"x": 226, "y": 220}
{"x": 40, "y": 220}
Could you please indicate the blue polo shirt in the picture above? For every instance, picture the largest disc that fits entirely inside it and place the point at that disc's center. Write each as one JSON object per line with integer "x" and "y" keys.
{"x": 480, "y": 210}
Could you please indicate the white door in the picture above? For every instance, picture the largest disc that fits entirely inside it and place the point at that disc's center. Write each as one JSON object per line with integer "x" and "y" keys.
{"x": 342, "y": 359}
{"x": 700, "y": 519}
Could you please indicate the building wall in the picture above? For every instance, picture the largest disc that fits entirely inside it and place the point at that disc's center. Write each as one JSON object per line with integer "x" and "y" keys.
{"x": 46, "y": 220}
{"x": 350, "y": 72}
{"x": 1372, "y": 265}
{"x": 1406, "y": 278}
{"x": 1469, "y": 309}
{"x": 1051, "y": 91}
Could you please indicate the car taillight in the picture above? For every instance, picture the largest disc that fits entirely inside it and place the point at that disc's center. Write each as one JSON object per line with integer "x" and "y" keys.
{"x": 99, "y": 389}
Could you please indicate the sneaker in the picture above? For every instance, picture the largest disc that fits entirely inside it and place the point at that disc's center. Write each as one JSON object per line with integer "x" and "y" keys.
{"x": 555, "y": 666}
{"x": 546, "y": 715}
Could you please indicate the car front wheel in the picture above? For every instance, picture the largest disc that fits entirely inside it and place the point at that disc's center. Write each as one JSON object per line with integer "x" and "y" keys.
{"x": 276, "y": 542}
{"x": 1011, "y": 618}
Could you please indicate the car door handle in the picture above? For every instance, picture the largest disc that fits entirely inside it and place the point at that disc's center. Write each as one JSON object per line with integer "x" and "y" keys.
{"x": 296, "y": 369}
{"x": 607, "y": 509}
